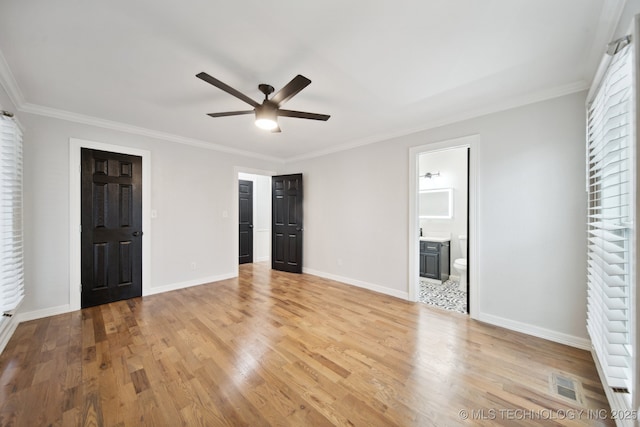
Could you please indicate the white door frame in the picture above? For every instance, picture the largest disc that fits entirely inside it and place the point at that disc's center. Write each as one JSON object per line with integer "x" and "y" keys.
{"x": 472, "y": 142}
{"x": 75, "y": 211}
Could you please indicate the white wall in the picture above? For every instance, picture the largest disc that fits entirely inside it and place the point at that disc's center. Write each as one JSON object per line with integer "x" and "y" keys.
{"x": 192, "y": 192}
{"x": 355, "y": 216}
{"x": 631, "y": 8}
{"x": 532, "y": 208}
{"x": 452, "y": 165}
{"x": 261, "y": 215}
{"x": 5, "y": 102}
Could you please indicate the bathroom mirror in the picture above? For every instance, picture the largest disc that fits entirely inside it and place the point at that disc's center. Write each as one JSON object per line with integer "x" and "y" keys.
{"x": 436, "y": 203}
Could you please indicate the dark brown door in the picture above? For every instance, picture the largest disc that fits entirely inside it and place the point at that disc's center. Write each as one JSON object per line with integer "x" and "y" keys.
{"x": 111, "y": 227}
{"x": 286, "y": 249}
{"x": 245, "y": 209}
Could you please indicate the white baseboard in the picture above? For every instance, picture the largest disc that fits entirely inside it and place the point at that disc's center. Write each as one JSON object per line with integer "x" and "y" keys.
{"x": 358, "y": 283}
{"x": 45, "y": 312}
{"x": 52, "y": 311}
{"x": 188, "y": 284}
{"x": 262, "y": 259}
{"x": 536, "y": 331}
{"x": 6, "y": 332}
{"x": 7, "y": 328}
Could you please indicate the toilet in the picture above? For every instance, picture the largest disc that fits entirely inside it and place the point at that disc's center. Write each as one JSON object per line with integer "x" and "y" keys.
{"x": 460, "y": 264}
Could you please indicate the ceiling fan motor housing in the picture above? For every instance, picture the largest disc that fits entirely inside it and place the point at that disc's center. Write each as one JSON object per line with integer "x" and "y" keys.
{"x": 266, "y": 89}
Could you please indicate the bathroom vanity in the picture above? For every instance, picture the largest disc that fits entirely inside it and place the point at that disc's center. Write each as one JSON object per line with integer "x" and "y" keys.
{"x": 434, "y": 258}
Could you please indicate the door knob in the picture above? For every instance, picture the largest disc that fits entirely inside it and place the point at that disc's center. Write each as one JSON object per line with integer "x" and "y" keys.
{"x": 137, "y": 233}
{"x": 250, "y": 225}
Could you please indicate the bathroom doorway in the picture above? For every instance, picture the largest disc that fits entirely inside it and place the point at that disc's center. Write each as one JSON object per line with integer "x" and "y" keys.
{"x": 442, "y": 224}
{"x": 443, "y": 218}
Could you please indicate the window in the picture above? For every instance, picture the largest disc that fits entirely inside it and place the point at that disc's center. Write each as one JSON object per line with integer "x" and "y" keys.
{"x": 610, "y": 212}
{"x": 11, "y": 263}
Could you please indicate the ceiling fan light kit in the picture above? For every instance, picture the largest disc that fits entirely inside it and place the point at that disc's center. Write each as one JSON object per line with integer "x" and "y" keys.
{"x": 266, "y": 113}
{"x": 266, "y": 118}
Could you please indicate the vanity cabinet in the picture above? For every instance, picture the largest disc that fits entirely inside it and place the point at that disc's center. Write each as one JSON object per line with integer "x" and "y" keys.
{"x": 434, "y": 260}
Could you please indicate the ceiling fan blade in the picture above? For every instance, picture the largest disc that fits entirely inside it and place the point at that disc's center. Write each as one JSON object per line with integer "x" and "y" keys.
{"x": 276, "y": 130}
{"x": 290, "y": 89}
{"x": 303, "y": 115}
{"x": 231, "y": 113}
{"x": 225, "y": 87}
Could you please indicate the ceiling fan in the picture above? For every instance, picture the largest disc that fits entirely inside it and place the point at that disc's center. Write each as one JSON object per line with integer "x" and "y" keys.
{"x": 266, "y": 113}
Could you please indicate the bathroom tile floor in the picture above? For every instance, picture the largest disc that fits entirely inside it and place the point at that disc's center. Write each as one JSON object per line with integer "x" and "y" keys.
{"x": 443, "y": 295}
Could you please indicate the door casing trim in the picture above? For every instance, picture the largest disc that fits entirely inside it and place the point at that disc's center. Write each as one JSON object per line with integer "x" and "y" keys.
{"x": 75, "y": 147}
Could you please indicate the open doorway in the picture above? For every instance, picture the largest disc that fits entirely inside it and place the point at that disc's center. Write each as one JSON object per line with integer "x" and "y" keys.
{"x": 443, "y": 218}
{"x": 441, "y": 239}
{"x": 254, "y": 217}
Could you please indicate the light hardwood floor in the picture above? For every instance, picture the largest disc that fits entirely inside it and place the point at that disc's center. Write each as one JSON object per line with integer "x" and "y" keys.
{"x": 272, "y": 348}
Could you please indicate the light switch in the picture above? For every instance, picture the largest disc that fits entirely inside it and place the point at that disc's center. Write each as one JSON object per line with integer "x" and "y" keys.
{"x": 154, "y": 213}
{"x": 225, "y": 214}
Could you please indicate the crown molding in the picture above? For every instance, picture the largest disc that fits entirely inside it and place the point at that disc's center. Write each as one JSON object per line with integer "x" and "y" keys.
{"x": 511, "y": 103}
{"x": 9, "y": 84}
{"x": 610, "y": 16}
{"x": 136, "y": 130}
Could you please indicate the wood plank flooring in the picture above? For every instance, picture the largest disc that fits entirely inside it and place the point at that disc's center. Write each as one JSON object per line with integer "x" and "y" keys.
{"x": 272, "y": 348}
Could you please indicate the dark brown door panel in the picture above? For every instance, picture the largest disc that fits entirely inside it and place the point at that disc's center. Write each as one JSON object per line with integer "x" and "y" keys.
{"x": 287, "y": 218}
{"x": 111, "y": 247}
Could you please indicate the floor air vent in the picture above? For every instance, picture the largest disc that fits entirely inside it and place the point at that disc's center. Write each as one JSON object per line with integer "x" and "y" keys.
{"x": 566, "y": 387}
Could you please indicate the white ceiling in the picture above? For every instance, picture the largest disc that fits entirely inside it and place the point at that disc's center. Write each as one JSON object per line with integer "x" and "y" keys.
{"x": 380, "y": 68}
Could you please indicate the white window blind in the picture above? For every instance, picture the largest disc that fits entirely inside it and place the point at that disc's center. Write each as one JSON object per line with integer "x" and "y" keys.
{"x": 609, "y": 135}
{"x": 11, "y": 263}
